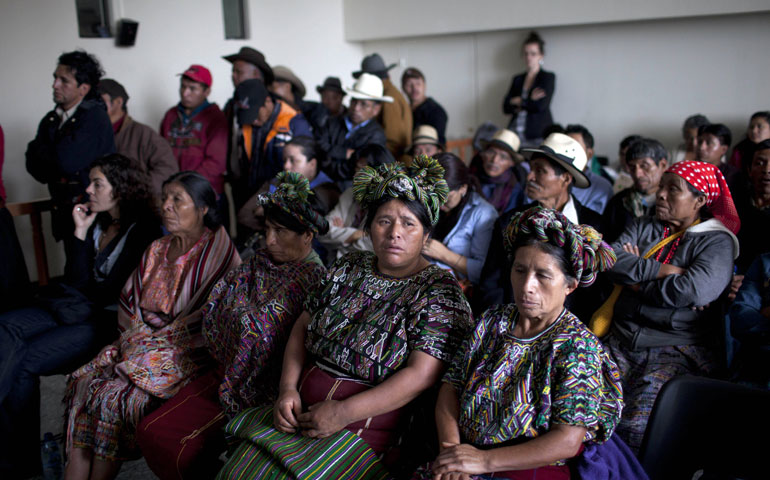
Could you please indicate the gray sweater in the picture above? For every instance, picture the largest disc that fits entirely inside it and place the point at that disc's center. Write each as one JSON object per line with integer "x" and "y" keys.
{"x": 662, "y": 312}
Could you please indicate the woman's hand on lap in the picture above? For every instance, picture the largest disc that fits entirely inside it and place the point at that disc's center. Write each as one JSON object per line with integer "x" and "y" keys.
{"x": 461, "y": 458}
{"x": 323, "y": 419}
{"x": 287, "y": 409}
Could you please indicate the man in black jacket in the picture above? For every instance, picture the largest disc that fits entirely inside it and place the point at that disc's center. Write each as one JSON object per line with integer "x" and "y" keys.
{"x": 341, "y": 136}
{"x": 554, "y": 168}
{"x": 70, "y": 137}
{"x": 647, "y": 160}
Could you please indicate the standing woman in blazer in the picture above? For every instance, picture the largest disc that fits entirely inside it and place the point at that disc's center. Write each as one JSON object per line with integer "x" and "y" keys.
{"x": 529, "y": 98}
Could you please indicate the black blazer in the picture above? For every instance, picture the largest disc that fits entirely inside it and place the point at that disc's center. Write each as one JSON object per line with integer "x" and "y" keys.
{"x": 538, "y": 111}
{"x": 331, "y": 139}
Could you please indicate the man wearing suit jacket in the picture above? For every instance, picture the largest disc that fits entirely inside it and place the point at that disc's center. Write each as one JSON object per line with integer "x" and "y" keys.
{"x": 555, "y": 167}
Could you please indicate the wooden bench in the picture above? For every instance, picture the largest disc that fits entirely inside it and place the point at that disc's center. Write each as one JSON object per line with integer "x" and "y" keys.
{"x": 462, "y": 147}
{"x": 35, "y": 209}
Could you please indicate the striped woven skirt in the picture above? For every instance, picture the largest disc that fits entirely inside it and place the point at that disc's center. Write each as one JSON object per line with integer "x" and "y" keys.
{"x": 266, "y": 453}
{"x": 645, "y": 372}
{"x": 354, "y": 452}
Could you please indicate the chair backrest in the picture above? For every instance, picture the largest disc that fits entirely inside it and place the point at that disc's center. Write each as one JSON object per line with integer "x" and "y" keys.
{"x": 700, "y": 423}
{"x": 34, "y": 209}
{"x": 462, "y": 147}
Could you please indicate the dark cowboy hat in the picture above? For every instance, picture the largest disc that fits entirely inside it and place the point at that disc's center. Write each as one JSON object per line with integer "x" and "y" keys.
{"x": 254, "y": 57}
{"x": 285, "y": 74}
{"x": 373, "y": 64}
{"x": 331, "y": 83}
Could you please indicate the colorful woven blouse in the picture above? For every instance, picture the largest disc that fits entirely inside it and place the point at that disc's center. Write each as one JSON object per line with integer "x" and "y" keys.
{"x": 366, "y": 324}
{"x": 247, "y": 321}
{"x": 511, "y": 387}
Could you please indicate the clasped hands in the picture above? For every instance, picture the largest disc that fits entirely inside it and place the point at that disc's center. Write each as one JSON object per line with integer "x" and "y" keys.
{"x": 459, "y": 462}
{"x": 322, "y": 419}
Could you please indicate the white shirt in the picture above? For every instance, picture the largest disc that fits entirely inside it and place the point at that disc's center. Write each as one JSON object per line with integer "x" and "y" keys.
{"x": 570, "y": 212}
{"x": 66, "y": 114}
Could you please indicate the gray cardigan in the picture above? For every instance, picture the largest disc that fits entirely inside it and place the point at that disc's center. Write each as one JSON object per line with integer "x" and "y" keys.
{"x": 662, "y": 312}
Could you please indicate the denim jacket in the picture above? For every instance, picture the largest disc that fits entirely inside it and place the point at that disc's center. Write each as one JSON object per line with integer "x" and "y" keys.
{"x": 471, "y": 235}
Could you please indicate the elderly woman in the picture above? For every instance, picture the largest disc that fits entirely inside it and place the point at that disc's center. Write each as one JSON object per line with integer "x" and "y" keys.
{"x": 159, "y": 349}
{"x": 346, "y": 233}
{"x": 531, "y": 385}
{"x": 246, "y": 322}
{"x": 73, "y": 320}
{"x": 375, "y": 335}
{"x": 461, "y": 237}
{"x": 670, "y": 271}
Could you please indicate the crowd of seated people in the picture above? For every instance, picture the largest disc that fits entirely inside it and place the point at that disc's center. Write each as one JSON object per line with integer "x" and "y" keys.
{"x": 378, "y": 305}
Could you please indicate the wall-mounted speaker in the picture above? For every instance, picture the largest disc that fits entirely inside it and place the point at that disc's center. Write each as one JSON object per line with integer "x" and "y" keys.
{"x": 127, "y": 32}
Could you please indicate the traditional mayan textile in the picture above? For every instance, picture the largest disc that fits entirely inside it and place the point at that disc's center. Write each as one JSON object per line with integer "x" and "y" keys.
{"x": 158, "y": 351}
{"x": 510, "y": 388}
{"x": 644, "y": 372}
{"x": 341, "y": 456}
{"x": 247, "y": 321}
{"x": 366, "y": 324}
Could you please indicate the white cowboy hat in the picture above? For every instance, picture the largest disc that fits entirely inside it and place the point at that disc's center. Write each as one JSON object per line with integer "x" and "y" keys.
{"x": 368, "y": 87}
{"x": 567, "y": 152}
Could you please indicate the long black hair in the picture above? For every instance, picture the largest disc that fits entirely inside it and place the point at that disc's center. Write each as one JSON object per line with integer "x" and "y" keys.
{"x": 201, "y": 192}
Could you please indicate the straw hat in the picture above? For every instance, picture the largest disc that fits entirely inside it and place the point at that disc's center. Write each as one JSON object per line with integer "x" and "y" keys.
{"x": 368, "y": 87}
{"x": 567, "y": 152}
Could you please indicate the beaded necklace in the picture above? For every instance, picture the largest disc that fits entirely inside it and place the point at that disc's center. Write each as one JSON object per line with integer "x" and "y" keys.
{"x": 670, "y": 255}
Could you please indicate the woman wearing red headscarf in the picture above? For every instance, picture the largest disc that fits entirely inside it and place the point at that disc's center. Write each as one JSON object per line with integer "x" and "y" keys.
{"x": 671, "y": 269}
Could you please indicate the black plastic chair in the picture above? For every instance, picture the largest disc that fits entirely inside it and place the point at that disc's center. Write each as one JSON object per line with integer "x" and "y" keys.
{"x": 699, "y": 423}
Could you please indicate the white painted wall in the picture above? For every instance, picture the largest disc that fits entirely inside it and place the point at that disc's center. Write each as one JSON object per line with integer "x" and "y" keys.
{"x": 172, "y": 35}
{"x": 367, "y": 20}
{"x": 633, "y": 77}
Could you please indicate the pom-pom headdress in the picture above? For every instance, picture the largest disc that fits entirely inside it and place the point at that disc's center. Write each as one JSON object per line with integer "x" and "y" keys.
{"x": 423, "y": 180}
{"x": 291, "y": 196}
{"x": 586, "y": 251}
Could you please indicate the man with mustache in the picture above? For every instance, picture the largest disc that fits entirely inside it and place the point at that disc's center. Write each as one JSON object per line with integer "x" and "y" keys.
{"x": 646, "y": 160}
{"x": 555, "y": 167}
{"x": 71, "y": 136}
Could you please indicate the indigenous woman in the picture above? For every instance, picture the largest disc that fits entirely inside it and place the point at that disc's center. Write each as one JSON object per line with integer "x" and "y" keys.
{"x": 159, "y": 349}
{"x": 461, "y": 238}
{"x": 375, "y": 335}
{"x": 532, "y": 384}
{"x": 73, "y": 320}
{"x": 246, "y": 322}
{"x": 672, "y": 268}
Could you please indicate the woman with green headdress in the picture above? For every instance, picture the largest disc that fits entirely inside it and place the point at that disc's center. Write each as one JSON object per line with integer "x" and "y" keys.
{"x": 246, "y": 322}
{"x": 532, "y": 383}
{"x": 376, "y": 334}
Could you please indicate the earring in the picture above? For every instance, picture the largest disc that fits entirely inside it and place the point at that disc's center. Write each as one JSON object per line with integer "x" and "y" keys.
{"x": 540, "y": 61}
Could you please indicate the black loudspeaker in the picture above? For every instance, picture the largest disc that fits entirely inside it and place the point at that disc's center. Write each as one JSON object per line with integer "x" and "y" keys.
{"x": 127, "y": 32}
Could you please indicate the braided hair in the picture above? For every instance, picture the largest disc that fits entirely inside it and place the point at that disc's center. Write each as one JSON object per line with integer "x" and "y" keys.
{"x": 584, "y": 252}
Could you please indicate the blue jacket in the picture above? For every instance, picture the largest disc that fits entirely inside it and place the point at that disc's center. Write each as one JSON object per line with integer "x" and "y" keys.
{"x": 597, "y": 195}
{"x": 748, "y": 329}
{"x": 471, "y": 234}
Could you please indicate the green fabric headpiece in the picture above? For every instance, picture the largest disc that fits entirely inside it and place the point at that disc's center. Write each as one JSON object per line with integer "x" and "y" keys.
{"x": 423, "y": 180}
{"x": 291, "y": 196}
